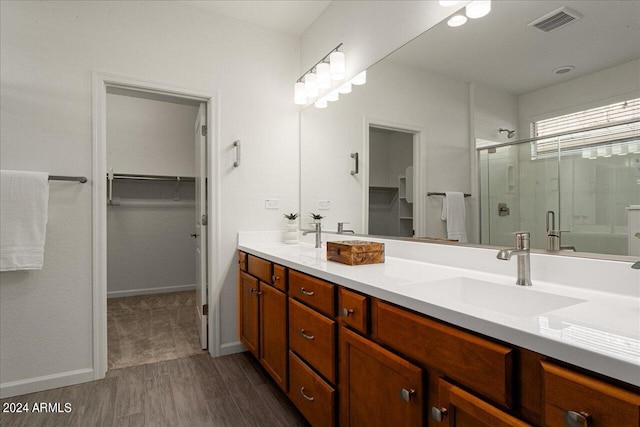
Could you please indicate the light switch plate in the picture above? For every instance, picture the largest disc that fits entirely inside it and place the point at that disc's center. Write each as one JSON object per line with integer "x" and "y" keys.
{"x": 324, "y": 205}
{"x": 272, "y": 204}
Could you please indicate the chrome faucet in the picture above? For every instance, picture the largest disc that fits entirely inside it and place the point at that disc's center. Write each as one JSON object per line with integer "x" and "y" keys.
{"x": 522, "y": 251}
{"x": 318, "y": 233}
{"x": 341, "y": 229}
{"x": 554, "y": 236}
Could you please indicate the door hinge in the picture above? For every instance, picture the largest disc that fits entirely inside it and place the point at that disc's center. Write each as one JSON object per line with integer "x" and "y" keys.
{"x": 205, "y": 310}
{"x": 204, "y": 130}
{"x": 204, "y": 219}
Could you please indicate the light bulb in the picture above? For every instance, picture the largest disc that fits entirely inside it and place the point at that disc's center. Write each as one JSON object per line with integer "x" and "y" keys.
{"x": 345, "y": 88}
{"x": 447, "y": 3}
{"x": 478, "y": 8}
{"x": 300, "y": 94}
{"x": 321, "y": 103}
{"x": 324, "y": 75}
{"x": 457, "y": 20}
{"x": 360, "y": 79}
{"x": 311, "y": 85}
{"x": 337, "y": 65}
{"x": 332, "y": 96}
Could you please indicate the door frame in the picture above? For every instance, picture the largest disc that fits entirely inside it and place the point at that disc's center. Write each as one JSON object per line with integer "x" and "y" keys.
{"x": 419, "y": 171}
{"x": 100, "y": 82}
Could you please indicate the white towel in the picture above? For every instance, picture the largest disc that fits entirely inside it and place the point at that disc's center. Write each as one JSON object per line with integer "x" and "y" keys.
{"x": 24, "y": 202}
{"x": 453, "y": 212}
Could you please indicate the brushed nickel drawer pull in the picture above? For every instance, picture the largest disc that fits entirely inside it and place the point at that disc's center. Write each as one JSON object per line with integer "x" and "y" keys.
{"x": 577, "y": 419}
{"x": 346, "y": 312}
{"x": 309, "y": 398}
{"x": 305, "y": 336}
{"x": 438, "y": 414}
{"x": 305, "y": 292}
{"x": 406, "y": 395}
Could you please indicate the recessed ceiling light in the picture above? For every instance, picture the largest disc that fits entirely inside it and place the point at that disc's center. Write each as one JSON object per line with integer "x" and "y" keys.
{"x": 457, "y": 20}
{"x": 564, "y": 69}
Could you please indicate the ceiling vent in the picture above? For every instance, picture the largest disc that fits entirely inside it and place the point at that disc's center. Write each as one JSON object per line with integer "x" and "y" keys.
{"x": 554, "y": 20}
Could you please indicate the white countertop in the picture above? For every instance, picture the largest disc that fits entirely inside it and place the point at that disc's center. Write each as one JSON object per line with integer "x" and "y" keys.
{"x": 590, "y": 328}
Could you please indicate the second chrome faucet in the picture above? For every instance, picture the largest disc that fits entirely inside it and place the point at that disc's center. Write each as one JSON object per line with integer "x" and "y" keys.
{"x": 522, "y": 252}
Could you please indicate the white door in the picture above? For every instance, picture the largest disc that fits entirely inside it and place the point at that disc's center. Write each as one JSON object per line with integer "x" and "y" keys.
{"x": 201, "y": 223}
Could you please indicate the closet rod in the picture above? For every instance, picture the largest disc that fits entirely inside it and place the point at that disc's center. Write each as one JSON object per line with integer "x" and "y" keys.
{"x": 153, "y": 177}
{"x": 80, "y": 179}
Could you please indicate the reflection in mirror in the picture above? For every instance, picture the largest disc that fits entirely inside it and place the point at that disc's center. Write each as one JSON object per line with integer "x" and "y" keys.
{"x": 457, "y": 89}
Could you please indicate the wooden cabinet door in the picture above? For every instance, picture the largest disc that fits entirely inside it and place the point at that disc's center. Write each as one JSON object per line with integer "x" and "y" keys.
{"x": 273, "y": 333}
{"x": 377, "y": 388}
{"x": 248, "y": 292}
{"x": 461, "y": 409}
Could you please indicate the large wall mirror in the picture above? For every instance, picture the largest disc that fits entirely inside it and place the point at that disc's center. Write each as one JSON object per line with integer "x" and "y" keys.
{"x": 464, "y": 109}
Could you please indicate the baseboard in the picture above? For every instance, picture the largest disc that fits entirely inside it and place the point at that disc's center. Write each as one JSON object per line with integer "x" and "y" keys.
{"x": 232, "y": 348}
{"x": 147, "y": 291}
{"x": 47, "y": 382}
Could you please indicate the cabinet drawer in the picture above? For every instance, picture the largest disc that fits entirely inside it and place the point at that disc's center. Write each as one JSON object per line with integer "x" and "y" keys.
{"x": 259, "y": 268}
{"x": 242, "y": 261}
{"x": 353, "y": 310}
{"x": 313, "y": 292}
{"x": 482, "y": 365}
{"x": 311, "y": 394}
{"x": 606, "y": 405}
{"x": 466, "y": 410}
{"x": 313, "y": 337}
{"x": 279, "y": 277}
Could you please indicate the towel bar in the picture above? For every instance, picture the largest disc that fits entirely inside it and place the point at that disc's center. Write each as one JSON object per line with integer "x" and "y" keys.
{"x": 431, "y": 193}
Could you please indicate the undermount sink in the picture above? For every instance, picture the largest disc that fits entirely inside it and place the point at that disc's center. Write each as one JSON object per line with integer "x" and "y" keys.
{"x": 516, "y": 301}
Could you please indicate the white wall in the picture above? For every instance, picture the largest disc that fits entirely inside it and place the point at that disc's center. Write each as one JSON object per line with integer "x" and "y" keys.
{"x": 394, "y": 94}
{"x": 48, "y": 51}
{"x": 369, "y": 30}
{"x": 593, "y": 90}
{"x": 150, "y": 135}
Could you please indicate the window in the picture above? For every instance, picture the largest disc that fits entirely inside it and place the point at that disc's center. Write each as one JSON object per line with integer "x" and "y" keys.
{"x": 621, "y": 137}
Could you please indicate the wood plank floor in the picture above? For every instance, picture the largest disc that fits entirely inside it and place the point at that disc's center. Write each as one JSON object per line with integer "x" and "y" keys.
{"x": 192, "y": 391}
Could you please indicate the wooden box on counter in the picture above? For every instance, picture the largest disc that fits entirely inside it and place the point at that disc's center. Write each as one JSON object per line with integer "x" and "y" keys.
{"x": 355, "y": 252}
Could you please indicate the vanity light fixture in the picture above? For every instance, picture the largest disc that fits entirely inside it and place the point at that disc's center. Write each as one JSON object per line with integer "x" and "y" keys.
{"x": 332, "y": 96}
{"x": 300, "y": 94}
{"x": 324, "y": 75}
{"x": 447, "y": 3}
{"x": 478, "y": 8}
{"x": 330, "y": 67}
{"x": 345, "y": 88}
{"x": 337, "y": 65}
{"x": 457, "y": 20}
{"x": 311, "y": 84}
{"x": 360, "y": 79}
{"x": 321, "y": 103}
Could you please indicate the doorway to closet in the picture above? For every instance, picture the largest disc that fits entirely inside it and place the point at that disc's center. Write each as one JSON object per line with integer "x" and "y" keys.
{"x": 391, "y": 182}
{"x": 156, "y": 219}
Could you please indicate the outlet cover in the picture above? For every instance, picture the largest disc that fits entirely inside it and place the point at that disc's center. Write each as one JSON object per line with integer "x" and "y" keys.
{"x": 324, "y": 205}
{"x": 272, "y": 204}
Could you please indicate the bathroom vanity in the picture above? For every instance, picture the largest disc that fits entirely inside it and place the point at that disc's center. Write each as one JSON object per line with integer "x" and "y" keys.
{"x": 411, "y": 343}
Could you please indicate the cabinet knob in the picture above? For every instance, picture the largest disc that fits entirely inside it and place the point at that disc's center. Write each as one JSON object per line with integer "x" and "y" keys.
{"x": 346, "y": 312}
{"x": 407, "y": 394}
{"x": 303, "y": 291}
{"x": 309, "y": 398}
{"x": 438, "y": 414}
{"x": 577, "y": 419}
{"x": 255, "y": 292}
{"x": 274, "y": 278}
{"x": 306, "y": 336}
